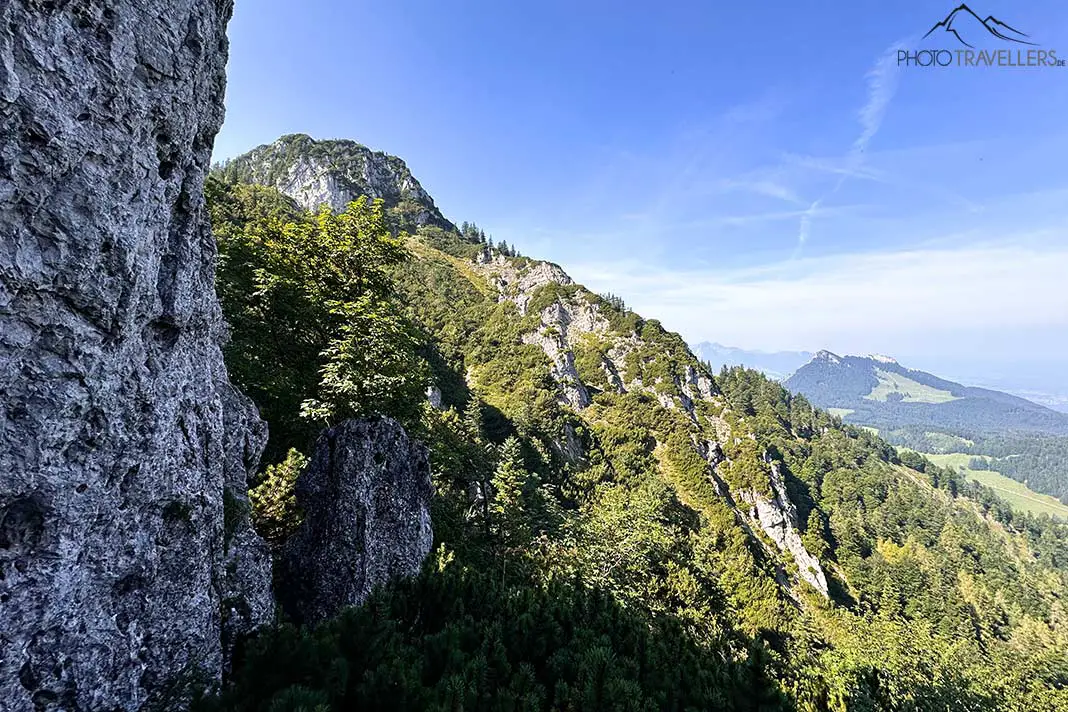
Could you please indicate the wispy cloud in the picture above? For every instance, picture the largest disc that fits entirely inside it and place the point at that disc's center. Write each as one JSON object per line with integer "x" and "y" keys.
{"x": 769, "y": 187}
{"x": 882, "y": 85}
{"x": 765, "y": 108}
{"x": 806, "y": 223}
{"x": 836, "y": 167}
{"x": 859, "y": 302}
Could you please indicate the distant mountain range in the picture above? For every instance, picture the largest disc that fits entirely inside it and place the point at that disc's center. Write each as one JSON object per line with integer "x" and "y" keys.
{"x": 774, "y": 364}
{"x": 878, "y": 391}
{"x": 1039, "y": 382}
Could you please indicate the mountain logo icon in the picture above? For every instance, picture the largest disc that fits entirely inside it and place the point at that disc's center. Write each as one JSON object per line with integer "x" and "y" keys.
{"x": 965, "y": 25}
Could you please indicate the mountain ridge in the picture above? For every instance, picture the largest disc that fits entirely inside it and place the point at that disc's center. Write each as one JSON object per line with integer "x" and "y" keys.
{"x": 590, "y": 347}
{"x": 575, "y": 442}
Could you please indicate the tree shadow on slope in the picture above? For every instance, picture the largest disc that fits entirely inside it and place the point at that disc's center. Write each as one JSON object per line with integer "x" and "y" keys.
{"x": 454, "y": 640}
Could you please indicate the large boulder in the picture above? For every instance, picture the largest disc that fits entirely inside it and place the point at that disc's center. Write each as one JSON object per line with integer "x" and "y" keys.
{"x": 126, "y": 555}
{"x": 365, "y": 497}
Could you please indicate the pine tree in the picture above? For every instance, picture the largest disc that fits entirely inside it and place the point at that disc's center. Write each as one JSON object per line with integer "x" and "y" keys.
{"x": 473, "y": 422}
{"x": 814, "y": 537}
{"x": 274, "y": 505}
{"x": 509, "y": 509}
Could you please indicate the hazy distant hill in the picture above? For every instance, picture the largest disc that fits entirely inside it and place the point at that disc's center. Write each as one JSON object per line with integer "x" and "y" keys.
{"x": 1001, "y": 432}
{"x": 881, "y": 392}
{"x": 774, "y": 364}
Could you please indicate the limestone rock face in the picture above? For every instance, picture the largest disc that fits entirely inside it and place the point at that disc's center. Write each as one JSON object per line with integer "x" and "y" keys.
{"x": 366, "y": 501}
{"x": 518, "y": 284}
{"x": 335, "y": 173}
{"x": 777, "y": 518}
{"x": 552, "y": 338}
{"x": 125, "y": 546}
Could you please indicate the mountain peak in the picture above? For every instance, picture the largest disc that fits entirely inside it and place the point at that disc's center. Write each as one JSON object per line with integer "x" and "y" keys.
{"x": 335, "y": 172}
{"x": 879, "y": 392}
{"x": 825, "y": 355}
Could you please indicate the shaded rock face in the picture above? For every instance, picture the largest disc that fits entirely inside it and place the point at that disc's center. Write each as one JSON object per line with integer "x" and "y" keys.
{"x": 126, "y": 554}
{"x": 366, "y": 501}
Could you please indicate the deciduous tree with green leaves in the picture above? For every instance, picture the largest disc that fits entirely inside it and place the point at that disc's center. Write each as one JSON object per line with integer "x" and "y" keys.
{"x": 316, "y": 335}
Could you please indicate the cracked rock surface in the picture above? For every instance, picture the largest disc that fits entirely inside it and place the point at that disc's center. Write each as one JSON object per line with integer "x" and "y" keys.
{"x": 127, "y": 563}
{"x": 365, "y": 496}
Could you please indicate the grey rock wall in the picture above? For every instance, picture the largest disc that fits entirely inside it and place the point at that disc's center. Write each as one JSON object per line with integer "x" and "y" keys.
{"x": 365, "y": 496}
{"x": 777, "y": 518}
{"x": 126, "y": 556}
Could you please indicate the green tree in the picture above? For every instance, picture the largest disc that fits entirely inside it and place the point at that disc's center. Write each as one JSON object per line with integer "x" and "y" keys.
{"x": 815, "y": 536}
{"x": 316, "y": 335}
{"x": 509, "y": 510}
{"x": 275, "y": 513}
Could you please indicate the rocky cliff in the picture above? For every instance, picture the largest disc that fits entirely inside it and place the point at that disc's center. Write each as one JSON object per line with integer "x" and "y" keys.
{"x": 126, "y": 556}
{"x": 777, "y": 517}
{"x": 334, "y": 173}
{"x": 365, "y": 496}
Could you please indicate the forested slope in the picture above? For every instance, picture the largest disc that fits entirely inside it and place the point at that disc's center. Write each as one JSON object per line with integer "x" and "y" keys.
{"x": 1020, "y": 439}
{"x": 884, "y": 394}
{"x": 616, "y": 528}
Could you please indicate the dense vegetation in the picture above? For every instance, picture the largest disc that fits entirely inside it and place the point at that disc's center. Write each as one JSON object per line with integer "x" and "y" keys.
{"x": 1039, "y": 461}
{"x": 603, "y": 557}
{"x": 466, "y": 641}
{"x": 314, "y": 334}
{"x": 1010, "y": 435}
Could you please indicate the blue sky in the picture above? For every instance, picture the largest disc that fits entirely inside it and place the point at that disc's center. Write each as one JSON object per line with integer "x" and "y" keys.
{"x": 762, "y": 175}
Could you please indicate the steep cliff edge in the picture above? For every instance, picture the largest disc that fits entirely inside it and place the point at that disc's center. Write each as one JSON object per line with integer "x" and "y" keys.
{"x": 126, "y": 556}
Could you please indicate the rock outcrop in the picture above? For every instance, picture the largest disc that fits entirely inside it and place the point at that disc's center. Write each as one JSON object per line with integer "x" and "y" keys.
{"x": 366, "y": 501}
{"x": 334, "y": 173}
{"x": 126, "y": 554}
{"x": 552, "y": 339}
{"x": 777, "y": 518}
